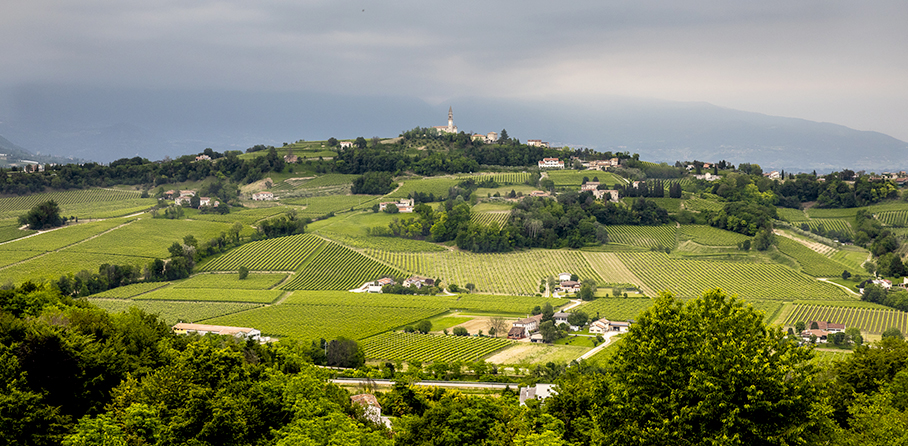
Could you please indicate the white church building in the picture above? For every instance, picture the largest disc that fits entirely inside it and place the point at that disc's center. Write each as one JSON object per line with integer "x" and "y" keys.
{"x": 450, "y": 128}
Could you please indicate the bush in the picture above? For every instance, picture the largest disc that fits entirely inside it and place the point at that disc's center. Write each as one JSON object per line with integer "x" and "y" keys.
{"x": 244, "y": 273}
{"x": 461, "y": 331}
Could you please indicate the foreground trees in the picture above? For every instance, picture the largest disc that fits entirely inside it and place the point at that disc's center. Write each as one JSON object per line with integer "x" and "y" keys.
{"x": 710, "y": 372}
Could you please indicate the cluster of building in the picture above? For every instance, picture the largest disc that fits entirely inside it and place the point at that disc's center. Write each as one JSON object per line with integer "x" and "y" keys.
{"x": 403, "y": 205}
{"x": 528, "y": 327}
{"x": 221, "y": 330}
{"x": 375, "y": 286}
{"x": 263, "y": 196}
{"x": 822, "y": 332}
{"x": 593, "y": 186}
{"x": 184, "y": 198}
{"x": 884, "y": 283}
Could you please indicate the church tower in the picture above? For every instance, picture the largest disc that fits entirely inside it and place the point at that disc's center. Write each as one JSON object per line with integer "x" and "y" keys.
{"x": 451, "y": 120}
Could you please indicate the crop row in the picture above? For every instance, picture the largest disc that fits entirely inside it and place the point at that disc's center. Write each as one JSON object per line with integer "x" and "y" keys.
{"x": 508, "y": 273}
{"x": 321, "y": 205}
{"x": 212, "y": 295}
{"x": 500, "y": 177}
{"x": 338, "y": 268}
{"x": 65, "y": 198}
{"x": 426, "y": 347}
{"x": 689, "y": 278}
{"x": 470, "y": 302}
{"x": 893, "y": 218}
{"x": 437, "y": 186}
{"x": 700, "y": 204}
{"x": 62, "y": 237}
{"x": 172, "y": 312}
{"x": 125, "y": 292}
{"x": 710, "y": 236}
{"x": 869, "y": 320}
{"x": 610, "y": 267}
{"x": 574, "y": 178}
{"x": 277, "y": 254}
{"x": 383, "y": 243}
{"x": 643, "y": 236}
{"x": 811, "y": 262}
{"x": 231, "y": 281}
{"x": 311, "y": 322}
{"x": 487, "y": 218}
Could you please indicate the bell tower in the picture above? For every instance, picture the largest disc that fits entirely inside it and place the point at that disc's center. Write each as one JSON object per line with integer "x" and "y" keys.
{"x": 450, "y": 119}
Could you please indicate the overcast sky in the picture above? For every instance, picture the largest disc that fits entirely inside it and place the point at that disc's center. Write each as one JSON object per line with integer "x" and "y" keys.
{"x": 837, "y": 61}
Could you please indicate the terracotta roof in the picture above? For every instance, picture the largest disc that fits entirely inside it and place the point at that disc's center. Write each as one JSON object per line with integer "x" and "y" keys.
{"x": 365, "y": 399}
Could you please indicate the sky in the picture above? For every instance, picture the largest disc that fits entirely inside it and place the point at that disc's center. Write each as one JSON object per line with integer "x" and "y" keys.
{"x": 831, "y": 61}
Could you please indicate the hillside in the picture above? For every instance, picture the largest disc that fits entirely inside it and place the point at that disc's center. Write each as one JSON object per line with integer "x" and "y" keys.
{"x": 111, "y": 124}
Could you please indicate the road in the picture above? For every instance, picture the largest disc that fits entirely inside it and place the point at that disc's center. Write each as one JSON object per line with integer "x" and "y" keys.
{"x": 455, "y": 384}
{"x": 608, "y": 340}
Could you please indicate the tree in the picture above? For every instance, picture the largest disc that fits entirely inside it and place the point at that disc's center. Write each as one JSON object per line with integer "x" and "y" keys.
{"x": 893, "y": 333}
{"x": 424, "y": 326}
{"x": 360, "y": 142}
{"x": 460, "y": 331}
{"x": 244, "y": 273}
{"x": 43, "y": 215}
{"x": 332, "y": 142}
{"x": 548, "y": 331}
{"x": 470, "y": 287}
{"x": 497, "y": 326}
{"x": 845, "y": 275}
{"x": 709, "y": 371}
{"x": 800, "y": 326}
{"x": 854, "y": 335}
{"x": 578, "y": 318}
{"x": 343, "y": 352}
{"x": 814, "y": 325}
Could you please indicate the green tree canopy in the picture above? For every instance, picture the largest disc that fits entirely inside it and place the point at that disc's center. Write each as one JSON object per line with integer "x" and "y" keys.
{"x": 710, "y": 372}
{"x": 43, "y": 215}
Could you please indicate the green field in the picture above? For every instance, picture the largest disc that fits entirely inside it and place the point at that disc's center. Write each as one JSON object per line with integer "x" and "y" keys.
{"x": 246, "y": 216}
{"x": 394, "y": 244}
{"x": 869, "y": 320}
{"x": 752, "y": 281}
{"x": 64, "y": 236}
{"x": 487, "y": 218}
{"x": 791, "y": 215}
{"x": 232, "y": 281}
{"x": 615, "y": 309}
{"x": 336, "y": 267}
{"x": 173, "y": 312}
{"x": 310, "y": 322}
{"x": 430, "y": 185}
{"x": 321, "y": 205}
{"x": 643, "y": 236}
{"x": 9, "y": 230}
{"x": 574, "y": 178}
{"x": 87, "y": 203}
{"x": 811, "y": 262}
{"x": 128, "y": 291}
{"x": 700, "y": 204}
{"x": 508, "y": 273}
{"x": 277, "y": 254}
{"x": 710, "y": 236}
{"x": 212, "y": 295}
{"x": 150, "y": 237}
{"x": 428, "y": 347}
{"x": 514, "y": 305}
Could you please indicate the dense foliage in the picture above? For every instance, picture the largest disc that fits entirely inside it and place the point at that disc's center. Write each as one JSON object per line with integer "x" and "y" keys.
{"x": 42, "y": 216}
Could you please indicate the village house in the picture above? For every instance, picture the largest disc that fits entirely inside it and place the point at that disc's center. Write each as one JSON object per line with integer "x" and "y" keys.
{"x": 539, "y": 193}
{"x": 345, "y": 144}
{"x": 419, "y": 282}
{"x": 202, "y": 329}
{"x": 488, "y": 138}
{"x": 183, "y": 200}
{"x": 564, "y": 276}
{"x": 170, "y": 195}
{"x": 537, "y": 143}
{"x": 551, "y": 163}
{"x": 188, "y": 192}
{"x": 528, "y": 324}
{"x": 604, "y": 325}
{"x": 569, "y": 286}
{"x": 707, "y": 176}
{"x": 203, "y": 158}
{"x": 371, "y": 408}
{"x": 263, "y": 196}
{"x": 538, "y": 392}
{"x": 589, "y": 185}
{"x": 404, "y": 205}
{"x": 206, "y": 201}
{"x": 612, "y": 194}
{"x": 291, "y": 158}
{"x": 831, "y": 327}
{"x": 516, "y": 333}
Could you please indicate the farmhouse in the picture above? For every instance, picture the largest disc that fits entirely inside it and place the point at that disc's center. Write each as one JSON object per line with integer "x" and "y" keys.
{"x": 831, "y": 327}
{"x": 170, "y": 195}
{"x": 562, "y": 318}
{"x": 291, "y": 158}
{"x": 419, "y": 282}
{"x": 537, "y": 392}
{"x": 570, "y": 285}
{"x": 539, "y": 193}
{"x": 529, "y": 324}
{"x": 183, "y": 200}
{"x": 551, "y": 163}
{"x": 604, "y": 325}
{"x": 821, "y": 335}
{"x": 537, "y": 143}
{"x": 345, "y": 144}
{"x": 564, "y": 276}
{"x": 590, "y": 185}
{"x": 202, "y": 329}
{"x": 404, "y": 205}
{"x": 612, "y": 194}
{"x": 516, "y": 333}
{"x": 371, "y": 408}
{"x": 206, "y": 201}
{"x": 203, "y": 158}
{"x": 263, "y": 196}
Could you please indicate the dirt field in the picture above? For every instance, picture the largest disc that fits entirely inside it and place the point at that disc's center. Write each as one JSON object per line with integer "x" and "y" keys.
{"x": 481, "y": 323}
{"x": 527, "y": 353}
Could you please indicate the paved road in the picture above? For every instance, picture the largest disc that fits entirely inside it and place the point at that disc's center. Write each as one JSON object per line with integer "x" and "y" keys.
{"x": 458, "y": 384}
{"x": 608, "y": 340}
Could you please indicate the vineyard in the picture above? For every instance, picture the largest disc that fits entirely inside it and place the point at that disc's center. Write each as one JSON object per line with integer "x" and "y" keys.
{"x": 232, "y": 281}
{"x": 212, "y": 295}
{"x": 277, "y": 254}
{"x": 431, "y": 185}
{"x": 610, "y": 267}
{"x": 824, "y": 225}
{"x": 689, "y": 278}
{"x": 337, "y": 267}
{"x": 710, "y": 236}
{"x": 245, "y": 216}
{"x": 893, "y": 218}
{"x": 396, "y": 244}
{"x": 643, "y": 236}
{"x": 62, "y": 237}
{"x": 499, "y": 177}
{"x": 795, "y": 216}
{"x": 508, "y": 273}
{"x": 322, "y": 205}
{"x": 811, "y": 262}
{"x": 427, "y": 347}
{"x": 150, "y": 237}
{"x": 487, "y": 218}
{"x": 310, "y": 322}
{"x": 468, "y": 302}
{"x": 172, "y": 312}
{"x": 615, "y": 309}
{"x": 69, "y": 201}
{"x": 53, "y": 265}
{"x": 128, "y": 291}
{"x": 9, "y": 230}
{"x": 869, "y": 320}
{"x": 700, "y": 204}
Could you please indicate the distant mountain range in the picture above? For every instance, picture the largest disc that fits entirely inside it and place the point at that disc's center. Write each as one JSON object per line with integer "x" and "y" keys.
{"x": 104, "y": 125}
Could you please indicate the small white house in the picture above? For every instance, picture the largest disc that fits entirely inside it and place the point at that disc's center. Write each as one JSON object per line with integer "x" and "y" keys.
{"x": 564, "y": 277}
{"x": 551, "y": 163}
{"x": 538, "y": 392}
{"x": 263, "y": 196}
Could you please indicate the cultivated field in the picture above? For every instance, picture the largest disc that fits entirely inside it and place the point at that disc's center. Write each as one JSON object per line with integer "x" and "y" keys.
{"x": 173, "y": 312}
{"x": 869, "y": 320}
{"x": 429, "y": 347}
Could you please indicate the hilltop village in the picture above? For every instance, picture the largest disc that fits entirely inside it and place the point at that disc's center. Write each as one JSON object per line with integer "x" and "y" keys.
{"x": 445, "y": 287}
